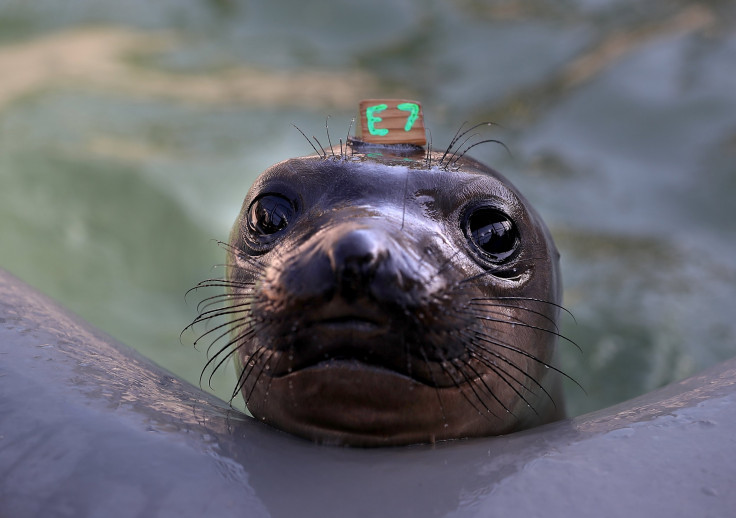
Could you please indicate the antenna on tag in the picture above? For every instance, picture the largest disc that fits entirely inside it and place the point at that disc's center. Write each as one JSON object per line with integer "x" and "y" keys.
{"x": 392, "y": 121}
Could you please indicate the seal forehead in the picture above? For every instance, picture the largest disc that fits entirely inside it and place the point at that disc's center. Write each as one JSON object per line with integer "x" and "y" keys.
{"x": 466, "y": 181}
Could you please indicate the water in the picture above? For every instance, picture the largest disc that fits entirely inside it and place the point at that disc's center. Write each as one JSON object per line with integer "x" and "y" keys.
{"x": 130, "y": 131}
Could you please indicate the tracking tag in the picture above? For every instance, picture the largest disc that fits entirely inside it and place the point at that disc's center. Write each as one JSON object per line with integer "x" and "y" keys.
{"x": 392, "y": 121}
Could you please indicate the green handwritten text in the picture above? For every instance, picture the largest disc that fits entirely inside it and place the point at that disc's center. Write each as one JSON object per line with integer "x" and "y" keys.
{"x": 372, "y": 120}
{"x": 414, "y": 113}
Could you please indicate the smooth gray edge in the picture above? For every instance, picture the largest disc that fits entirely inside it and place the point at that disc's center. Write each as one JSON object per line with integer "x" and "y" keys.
{"x": 88, "y": 427}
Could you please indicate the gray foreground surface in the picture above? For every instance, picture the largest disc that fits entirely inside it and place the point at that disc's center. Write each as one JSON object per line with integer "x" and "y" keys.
{"x": 90, "y": 428}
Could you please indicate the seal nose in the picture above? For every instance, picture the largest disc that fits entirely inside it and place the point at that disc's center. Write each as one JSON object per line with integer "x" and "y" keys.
{"x": 355, "y": 256}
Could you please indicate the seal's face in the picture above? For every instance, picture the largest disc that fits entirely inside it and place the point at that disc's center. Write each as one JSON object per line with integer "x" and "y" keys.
{"x": 377, "y": 301}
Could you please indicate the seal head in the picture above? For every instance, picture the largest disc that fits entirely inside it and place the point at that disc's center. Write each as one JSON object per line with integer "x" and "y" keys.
{"x": 376, "y": 299}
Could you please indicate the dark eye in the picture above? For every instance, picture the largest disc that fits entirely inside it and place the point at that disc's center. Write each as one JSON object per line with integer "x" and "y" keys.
{"x": 492, "y": 232}
{"x": 270, "y": 214}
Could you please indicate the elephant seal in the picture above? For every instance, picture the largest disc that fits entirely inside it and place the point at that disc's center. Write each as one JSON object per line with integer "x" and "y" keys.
{"x": 387, "y": 295}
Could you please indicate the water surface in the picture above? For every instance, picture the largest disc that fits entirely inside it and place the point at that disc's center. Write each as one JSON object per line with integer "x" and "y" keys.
{"x": 130, "y": 131}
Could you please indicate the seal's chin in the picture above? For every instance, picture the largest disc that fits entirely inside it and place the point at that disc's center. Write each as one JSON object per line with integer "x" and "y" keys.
{"x": 334, "y": 400}
{"x": 351, "y": 402}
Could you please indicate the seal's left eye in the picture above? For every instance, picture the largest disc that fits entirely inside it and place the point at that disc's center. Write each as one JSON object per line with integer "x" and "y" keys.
{"x": 270, "y": 214}
{"x": 492, "y": 232}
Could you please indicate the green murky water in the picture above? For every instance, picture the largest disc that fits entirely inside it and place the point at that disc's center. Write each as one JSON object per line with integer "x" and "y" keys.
{"x": 130, "y": 131}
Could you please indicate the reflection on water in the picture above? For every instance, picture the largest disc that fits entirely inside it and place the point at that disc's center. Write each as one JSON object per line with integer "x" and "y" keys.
{"x": 130, "y": 132}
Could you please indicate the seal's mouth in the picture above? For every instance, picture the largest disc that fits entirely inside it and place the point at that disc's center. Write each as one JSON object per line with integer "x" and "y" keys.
{"x": 354, "y": 343}
{"x": 359, "y": 316}
{"x": 356, "y": 324}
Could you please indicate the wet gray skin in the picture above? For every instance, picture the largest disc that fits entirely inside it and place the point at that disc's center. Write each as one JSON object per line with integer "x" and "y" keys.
{"x": 90, "y": 428}
{"x": 388, "y": 296}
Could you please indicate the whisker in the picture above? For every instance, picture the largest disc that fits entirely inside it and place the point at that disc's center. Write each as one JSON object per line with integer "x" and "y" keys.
{"x": 503, "y": 373}
{"x": 493, "y": 365}
{"x": 454, "y": 153}
{"x": 529, "y": 326}
{"x": 327, "y": 129}
{"x": 324, "y": 153}
{"x": 247, "y": 367}
{"x": 227, "y": 350}
{"x": 459, "y": 135}
{"x": 512, "y": 306}
{"x": 487, "y": 141}
{"x": 215, "y": 358}
{"x": 490, "y": 340}
{"x": 219, "y": 312}
{"x": 220, "y": 283}
{"x": 347, "y": 137}
{"x": 305, "y": 136}
{"x": 205, "y": 317}
{"x": 469, "y": 382}
{"x": 428, "y": 154}
{"x": 485, "y": 385}
{"x": 222, "y": 298}
{"x": 234, "y": 325}
{"x": 452, "y": 142}
{"x": 533, "y": 300}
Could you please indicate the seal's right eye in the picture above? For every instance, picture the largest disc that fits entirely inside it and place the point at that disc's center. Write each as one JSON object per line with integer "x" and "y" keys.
{"x": 269, "y": 214}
